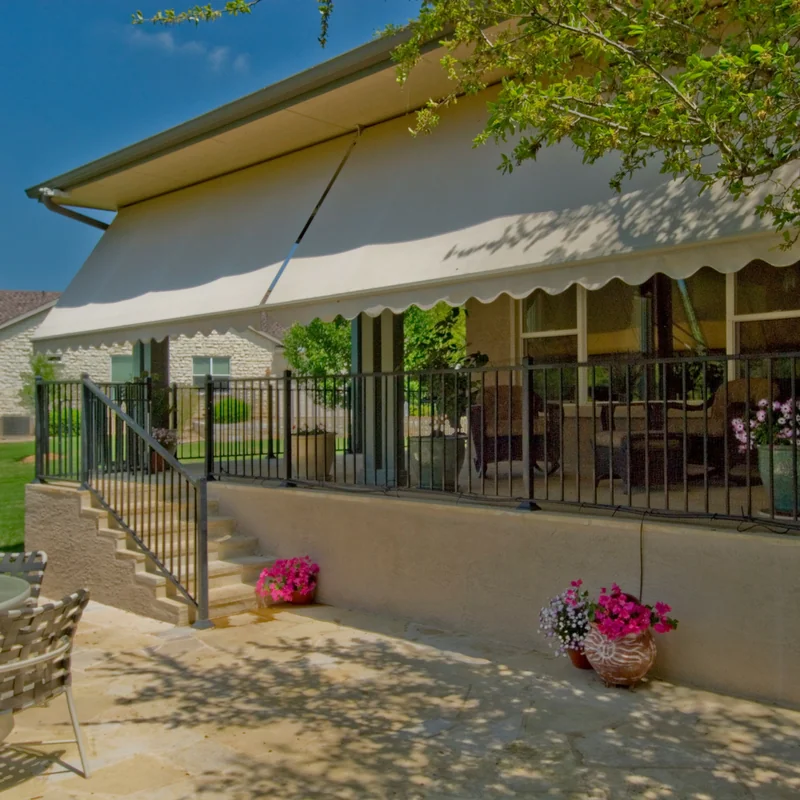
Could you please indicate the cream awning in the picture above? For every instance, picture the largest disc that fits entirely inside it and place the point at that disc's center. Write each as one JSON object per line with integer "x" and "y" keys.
{"x": 193, "y": 261}
{"x": 417, "y": 221}
{"x": 409, "y": 221}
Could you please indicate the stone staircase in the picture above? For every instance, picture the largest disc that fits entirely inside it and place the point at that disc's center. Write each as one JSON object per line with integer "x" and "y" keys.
{"x": 234, "y": 561}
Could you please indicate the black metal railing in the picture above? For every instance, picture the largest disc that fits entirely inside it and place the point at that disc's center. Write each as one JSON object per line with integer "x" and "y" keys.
{"x": 150, "y": 494}
{"x": 648, "y": 436}
{"x": 652, "y": 436}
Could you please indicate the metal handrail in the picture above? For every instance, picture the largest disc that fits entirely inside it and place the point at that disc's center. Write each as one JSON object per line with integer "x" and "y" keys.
{"x": 162, "y": 451}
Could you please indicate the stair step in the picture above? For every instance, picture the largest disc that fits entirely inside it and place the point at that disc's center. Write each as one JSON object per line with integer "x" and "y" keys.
{"x": 252, "y": 566}
{"x": 217, "y": 526}
{"x": 228, "y": 600}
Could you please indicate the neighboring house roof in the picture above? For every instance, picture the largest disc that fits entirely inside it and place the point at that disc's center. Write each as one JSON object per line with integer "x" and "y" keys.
{"x": 16, "y": 306}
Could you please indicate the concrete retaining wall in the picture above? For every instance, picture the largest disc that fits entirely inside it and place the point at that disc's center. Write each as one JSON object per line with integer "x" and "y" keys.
{"x": 489, "y": 571}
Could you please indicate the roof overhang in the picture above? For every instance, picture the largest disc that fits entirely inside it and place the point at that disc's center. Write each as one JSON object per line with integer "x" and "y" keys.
{"x": 353, "y": 91}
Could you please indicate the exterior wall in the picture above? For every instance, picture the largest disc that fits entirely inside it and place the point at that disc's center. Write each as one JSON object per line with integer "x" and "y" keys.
{"x": 489, "y": 572}
{"x": 491, "y": 329}
{"x": 96, "y": 361}
{"x": 15, "y": 354}
{"x": 248, "y": 358}
{"x": 60, "y": 521}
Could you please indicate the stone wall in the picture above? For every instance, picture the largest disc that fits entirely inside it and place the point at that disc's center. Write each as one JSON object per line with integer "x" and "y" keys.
{"x": 96, "y": 361}
{"x": 489, "y": 571}
{"x": 251, "y": 355}
{"x": 15, "y": 354}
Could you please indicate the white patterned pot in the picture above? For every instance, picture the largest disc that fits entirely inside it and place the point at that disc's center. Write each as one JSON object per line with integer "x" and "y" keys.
{"x": 620, "y": 662}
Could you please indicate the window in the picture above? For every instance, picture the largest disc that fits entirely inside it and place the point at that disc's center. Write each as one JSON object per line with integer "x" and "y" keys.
{"x": 767, "y": 307}
{"x": 550, "y": 325}
{"x": 618, "y": 320}
{"x": 698, "y": 314}
{"x": 122, "y": 369}
{"x": 550, "y": 334}
{"x": 219, "y": 367}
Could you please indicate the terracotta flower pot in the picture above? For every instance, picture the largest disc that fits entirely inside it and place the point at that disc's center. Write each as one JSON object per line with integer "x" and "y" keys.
{"x": 578, "y": 659}
{"x": 300, "y": 599}
{"x": 620, "y": 662}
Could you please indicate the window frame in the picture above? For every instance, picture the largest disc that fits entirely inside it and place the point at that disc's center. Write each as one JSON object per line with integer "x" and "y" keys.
{"x": 220, "y": 381}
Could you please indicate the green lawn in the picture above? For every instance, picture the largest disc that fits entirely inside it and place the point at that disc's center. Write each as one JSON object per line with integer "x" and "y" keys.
{"x": 13, "y": 477}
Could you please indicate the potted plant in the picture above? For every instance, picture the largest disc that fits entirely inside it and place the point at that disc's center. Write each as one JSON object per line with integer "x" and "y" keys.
{"x": 774, "y": 430}
{"x": 313, "y": 452}
{"x": 168, "y": 439}
{"x": 565, "y": 622}
{"x": 437, "y": 456}
{"x": 620, "y": 644}
{"x": 292, "y": 580}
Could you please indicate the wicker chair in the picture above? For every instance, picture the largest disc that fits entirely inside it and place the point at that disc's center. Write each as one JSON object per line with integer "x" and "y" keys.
{"x": 30, "y": 566}
{"x": 35, "y": 659}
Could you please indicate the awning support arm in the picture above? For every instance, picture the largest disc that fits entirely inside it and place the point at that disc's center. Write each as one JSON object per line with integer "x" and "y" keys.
{"x": 303, "y": 232}
{"x": 46, "y": 197}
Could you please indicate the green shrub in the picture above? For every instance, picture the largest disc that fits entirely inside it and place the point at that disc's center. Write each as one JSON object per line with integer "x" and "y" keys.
{"x": 231, "y": 409}
{"x": 65, "y": 422}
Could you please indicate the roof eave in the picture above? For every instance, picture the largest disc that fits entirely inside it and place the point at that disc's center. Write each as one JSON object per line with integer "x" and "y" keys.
{"x": 349, "y": 66}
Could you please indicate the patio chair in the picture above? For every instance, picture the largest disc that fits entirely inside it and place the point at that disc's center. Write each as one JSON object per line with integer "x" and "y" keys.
{"x": 637, "y": 456}
{"x": 29, "y": 566}
{"x": 496, "y": 426}
{"x": 737, "y": 406}
{"x": 35, "y": 660}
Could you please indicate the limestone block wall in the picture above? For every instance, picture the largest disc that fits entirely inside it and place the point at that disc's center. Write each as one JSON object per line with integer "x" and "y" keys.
{"x": 489, "y": 571}
{"x": 15, "y": 354}
{"x": 249, "y": 357}
{"x": 96, "y": 361}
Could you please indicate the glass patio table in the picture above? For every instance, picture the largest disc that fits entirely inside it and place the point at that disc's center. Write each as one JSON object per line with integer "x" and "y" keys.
{"x": 13, "y": 592}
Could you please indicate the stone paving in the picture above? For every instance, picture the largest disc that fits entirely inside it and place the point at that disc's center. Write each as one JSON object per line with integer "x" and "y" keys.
{"x": 326, "y": 703}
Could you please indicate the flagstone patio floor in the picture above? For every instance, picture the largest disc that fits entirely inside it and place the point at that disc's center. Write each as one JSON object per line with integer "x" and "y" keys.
{"x": 327, "y": 703}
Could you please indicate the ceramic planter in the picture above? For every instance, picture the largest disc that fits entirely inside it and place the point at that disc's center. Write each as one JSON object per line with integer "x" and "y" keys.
{"x": 620, "y": 662}
{"x": 436, "y": 461}
{"x": 300, "y": 599}
{"x": 578, "y": 659}
{"x": 157, "y": 462}
{"x": 312, "y": 455}
{"x": 782, "y": 480}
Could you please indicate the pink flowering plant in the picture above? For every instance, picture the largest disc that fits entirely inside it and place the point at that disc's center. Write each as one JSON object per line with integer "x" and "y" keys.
{"x": 565, "y": 619}
{"x": 777, "y": 423}
{"x": 618, "y": 614}
{"x": 287, "y": 576}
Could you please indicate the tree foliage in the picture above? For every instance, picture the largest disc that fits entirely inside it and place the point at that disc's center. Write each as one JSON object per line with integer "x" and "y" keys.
{"x": 209, "y": 12}
{"x": 39, "y": 366}
{"x": 319, "y": 348}
{"x": 434, "y": 339}
{"x": 710, "y": 88}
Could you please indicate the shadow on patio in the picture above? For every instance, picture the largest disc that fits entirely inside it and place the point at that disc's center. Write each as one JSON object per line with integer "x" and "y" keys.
{"x": 329, "y": 703}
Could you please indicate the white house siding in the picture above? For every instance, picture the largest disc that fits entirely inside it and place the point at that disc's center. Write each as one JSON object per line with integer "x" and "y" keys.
{"x": 249, "y": 358}
{"x": 15, "y": 354}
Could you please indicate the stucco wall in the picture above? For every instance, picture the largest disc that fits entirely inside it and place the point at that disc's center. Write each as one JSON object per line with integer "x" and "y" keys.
{"x": 491, "y": 329}
{"x": 79, "y": 556}
{"x": 15, "y": 354}
{"x": 489, "y": 571}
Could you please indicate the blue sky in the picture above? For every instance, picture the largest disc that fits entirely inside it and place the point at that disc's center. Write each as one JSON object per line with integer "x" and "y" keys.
{"x": 79, "y": 81}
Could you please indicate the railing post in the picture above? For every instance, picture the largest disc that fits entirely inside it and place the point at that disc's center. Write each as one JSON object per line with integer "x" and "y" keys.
{"x": 86, "y": 415}
{"x": 209, "y": 428}
{"x": 528, "y": 504}
{"x": 287, "y": 427}
{"x": 41, "y": 426}
{"x": 174, "y": 407}
{"x": 201, "y": 556}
